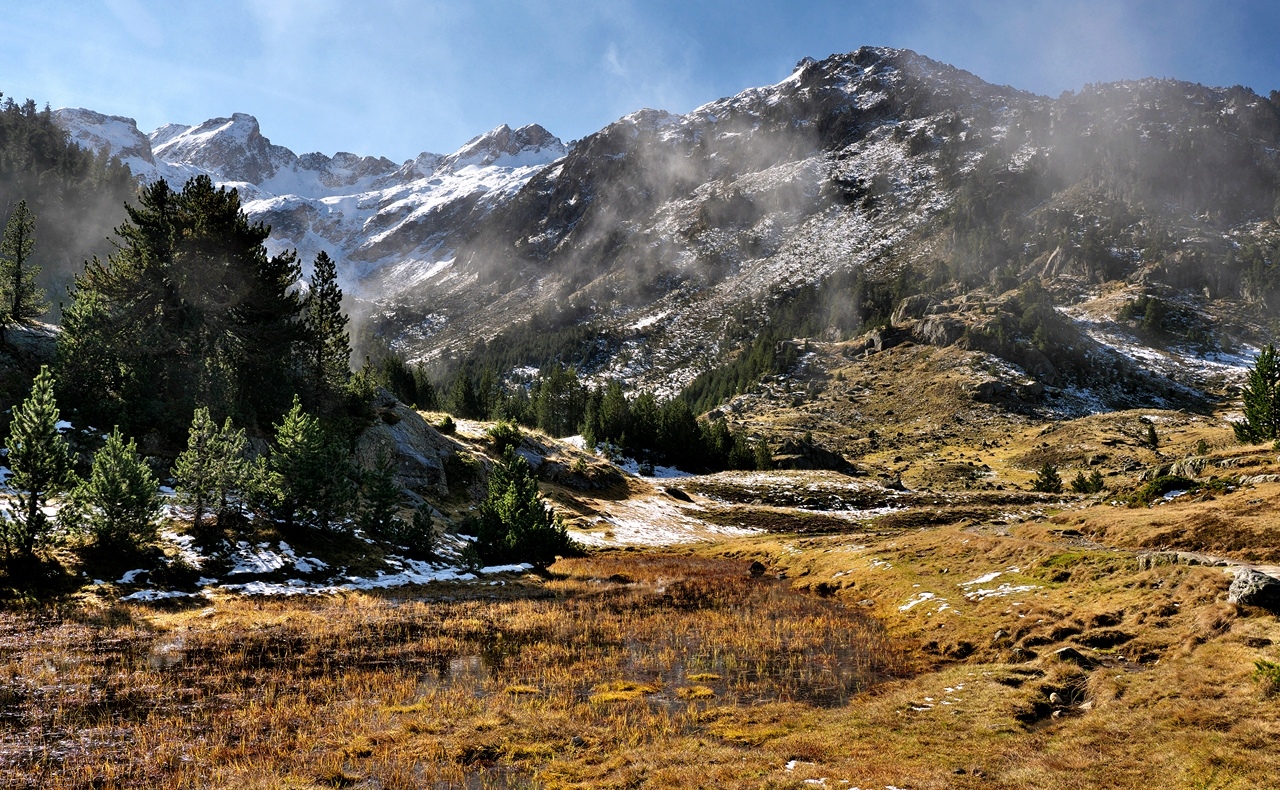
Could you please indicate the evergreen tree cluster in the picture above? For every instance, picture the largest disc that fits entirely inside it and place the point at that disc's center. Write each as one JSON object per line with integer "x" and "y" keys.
{"x": 192, "y": 310}
{"x": 118, "y": 503}
{"x": 78, "y": 195}
{"x": 410, "y": 384}
{"x": 1091, "y": 484}
{"x": 558, "y": 403}
{"x": 668, "y": 433}
{"x": 212, "y": 471}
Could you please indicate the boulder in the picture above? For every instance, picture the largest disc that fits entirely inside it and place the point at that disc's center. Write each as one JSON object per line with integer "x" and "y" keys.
{"x": 1073, "y": 656}
{"x": 989, "y": 391}
{"x": 794, "y": 454}
{"x": 1254, "y": 588}
{"x": 939, "y": 331}
{"x": 420, "y": 451}
{"x": 878, "y": 340}
{"x": 910, "y": 308}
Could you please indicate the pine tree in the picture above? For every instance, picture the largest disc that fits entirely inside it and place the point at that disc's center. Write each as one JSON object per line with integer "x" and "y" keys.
{"x": 679, "y": 440}
{"x": 419, "y": 535}
{"x": 464, "y": 401}
{"x": 232, "y": 471}
{"x": 293, "y": 463}
{"x": 121, "y": 494}
{"x": 515, "y": 524}
{"x": 1087, "y": 485}
{"x": 193, "y": 469}
{"x": 39, "y": 459}
{"x": 642, "y": 428}
{"x": 23, "y": 299}
{"x": 327, "y": 343}
{"x": 380, "y": 500}
{"x": 1261, "y": 399}
{"x": 189, "y": 309}
{"x": 764, "y": 458}
{"x": 1047, "y": 480}
{"x": 212, "y": 469}
{"x": 614, "y": 414}
{"x": 308, "y": 474}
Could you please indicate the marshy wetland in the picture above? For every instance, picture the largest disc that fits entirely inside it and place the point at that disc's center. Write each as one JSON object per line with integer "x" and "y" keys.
{"x": 615, "y": 652}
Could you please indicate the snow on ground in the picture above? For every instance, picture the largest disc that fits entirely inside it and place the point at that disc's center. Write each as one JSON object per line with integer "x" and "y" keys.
{"x": 255, "y": 559}
{"x": 157, "y": 595}
{"x": 983, "y": 593}
{"x": 916, "y": 600}
{"x": 648, "y": 321}
{"x": 629, "y": 465}
{"x": 1180, "y": 363}
{"x": 575, "y": 441}
{"x": 413, "y": 572}
{"x": 650, "y": 521}
{"x": 263, "y": 559}
{"x": 185, "y": 545}
{"x": 632, "y": 467}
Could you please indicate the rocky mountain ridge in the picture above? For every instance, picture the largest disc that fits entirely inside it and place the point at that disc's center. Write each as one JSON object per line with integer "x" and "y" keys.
{"x": 354, "y": 207}
{"x": 655, "y": 248}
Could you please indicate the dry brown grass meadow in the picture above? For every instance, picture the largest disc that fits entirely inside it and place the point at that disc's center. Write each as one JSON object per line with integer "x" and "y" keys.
{"x": 920, "y": 650}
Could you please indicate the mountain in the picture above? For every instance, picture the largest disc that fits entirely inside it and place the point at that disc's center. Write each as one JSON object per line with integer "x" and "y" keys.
{"x": 663, "y": 243}
{"x": 367, "y": 212}
{"x": 876, "y": 194}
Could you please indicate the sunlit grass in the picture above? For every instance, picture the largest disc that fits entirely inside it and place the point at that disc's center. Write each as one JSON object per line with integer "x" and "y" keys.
{"x": 410, "y": 692}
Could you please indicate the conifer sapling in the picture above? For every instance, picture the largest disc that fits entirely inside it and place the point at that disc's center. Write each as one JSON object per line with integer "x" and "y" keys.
{"x": 40, "y": 461}
{"x": 122, "y": 495}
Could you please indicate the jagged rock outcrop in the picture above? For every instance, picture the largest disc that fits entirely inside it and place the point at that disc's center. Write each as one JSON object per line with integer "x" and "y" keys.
{"x": 911, "y": 308}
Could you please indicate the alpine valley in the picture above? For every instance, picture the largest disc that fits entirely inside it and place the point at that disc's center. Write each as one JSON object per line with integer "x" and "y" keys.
{"x": 881, "y": 427}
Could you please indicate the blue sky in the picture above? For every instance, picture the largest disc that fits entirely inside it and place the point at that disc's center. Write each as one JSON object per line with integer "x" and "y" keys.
{"x": 396, "y": 77}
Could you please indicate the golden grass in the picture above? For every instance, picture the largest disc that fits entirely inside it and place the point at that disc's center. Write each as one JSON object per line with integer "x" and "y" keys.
{"x": 634, "y": 669}
{"x": 343, "y": 690}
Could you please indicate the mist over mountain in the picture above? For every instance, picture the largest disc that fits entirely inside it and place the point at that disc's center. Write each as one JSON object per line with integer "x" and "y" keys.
{"x": 657, "y": 247}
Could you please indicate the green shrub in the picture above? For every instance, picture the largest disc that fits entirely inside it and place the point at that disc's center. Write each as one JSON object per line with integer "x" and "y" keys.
{"x": 1267, "y": 673}
{"x": 1047, "y": 480}
{"x": 1159, "y": 487}
{"x": 504, "y": 435}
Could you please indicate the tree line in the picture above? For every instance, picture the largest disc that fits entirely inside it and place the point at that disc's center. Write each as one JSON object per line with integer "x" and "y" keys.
{"x": 79, "y": 195}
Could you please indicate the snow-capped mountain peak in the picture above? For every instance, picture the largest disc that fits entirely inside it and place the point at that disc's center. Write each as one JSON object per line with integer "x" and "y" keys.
{"x": 527, "y": 146}
{"x": 364, "y": 211}
{"x": 119, "y": 135}
{"x": 232, "y": 147}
